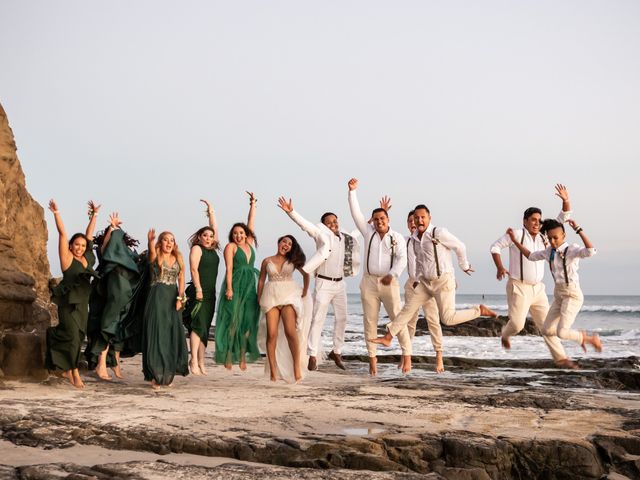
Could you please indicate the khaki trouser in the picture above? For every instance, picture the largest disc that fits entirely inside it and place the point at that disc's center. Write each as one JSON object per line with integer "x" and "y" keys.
{"x": 433, "y": 322}
{"x": 372, "y": 293}
{"x": 438, "y": 298}
{"x": 567, "y": 300}
{"x": 523, "y": 298}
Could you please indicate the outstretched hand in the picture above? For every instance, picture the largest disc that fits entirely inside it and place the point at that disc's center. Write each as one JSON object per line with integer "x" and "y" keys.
{"x": 53, "y": 206}
{"x": 353, "y": 184}
{"x": 93, "y": 208}
{"x": 573, "y": 223}
{"x": 114, "y": 220}
{"x": 151, "y": 235}
{"x": 285, "y": 205}
{"x": 208, "y": 204}
{"x": 252, "y": 198}
{"x": 562, "y": 192}
{"x": 385, "y": 202}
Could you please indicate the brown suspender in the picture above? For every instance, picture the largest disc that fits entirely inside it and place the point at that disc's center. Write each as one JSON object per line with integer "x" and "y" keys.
{"x": 522, "y": 258}
{"x": 435, "y": 250}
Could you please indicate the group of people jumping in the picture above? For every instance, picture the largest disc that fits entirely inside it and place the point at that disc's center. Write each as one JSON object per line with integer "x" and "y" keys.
{"x": 140, "y": 303}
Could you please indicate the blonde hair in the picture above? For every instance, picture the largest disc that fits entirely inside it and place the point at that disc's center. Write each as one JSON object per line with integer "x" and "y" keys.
{"x": 175, "y": 252}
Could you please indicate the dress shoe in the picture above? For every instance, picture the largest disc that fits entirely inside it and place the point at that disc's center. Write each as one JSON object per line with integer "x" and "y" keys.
{"x": 337, "y": 359}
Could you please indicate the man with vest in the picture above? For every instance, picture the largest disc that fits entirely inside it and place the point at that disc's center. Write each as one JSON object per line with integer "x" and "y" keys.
{"x": 385, "y": 258}
{"x": 525, "y": 289}
{"x": 435, "y": 287}
{"x": 337, "y": 256}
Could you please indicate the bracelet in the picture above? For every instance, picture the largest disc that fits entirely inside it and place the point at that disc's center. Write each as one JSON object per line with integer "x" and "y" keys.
{"x": 55, "y": 211}
{"x": 183, "y": 298}
{"x": 578, "y": 230}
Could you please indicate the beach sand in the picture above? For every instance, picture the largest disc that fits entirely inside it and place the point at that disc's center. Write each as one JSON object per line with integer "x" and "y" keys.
{"x": 471, "y": 422}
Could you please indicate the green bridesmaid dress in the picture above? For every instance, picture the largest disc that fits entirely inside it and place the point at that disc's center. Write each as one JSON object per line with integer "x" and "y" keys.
{"x": 198, "y": 315}
{"x": 237, "y": 320}
{"x": 71, "y": 295}
{"x": 164, "y": 349}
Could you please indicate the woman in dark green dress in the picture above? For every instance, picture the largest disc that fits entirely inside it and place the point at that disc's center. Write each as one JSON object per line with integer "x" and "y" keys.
{"x": 120, "y": 270}
{"x": 64, "y": 341}
{"x": 238, "y": 311}
{"x": 201, "y": 292}
{"x": 164, "y": 350}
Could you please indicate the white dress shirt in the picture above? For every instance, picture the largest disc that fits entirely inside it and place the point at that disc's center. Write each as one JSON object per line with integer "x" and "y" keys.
{"x": 566, "y": 255}
{"x": 425, "y": 257}
{"x": 411, "y": 258}
{"x": 532, "y": 272}
{"x": 381, "y": 255}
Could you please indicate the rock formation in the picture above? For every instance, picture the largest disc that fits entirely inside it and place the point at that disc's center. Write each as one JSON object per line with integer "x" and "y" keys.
{"x": 24, "y": 267}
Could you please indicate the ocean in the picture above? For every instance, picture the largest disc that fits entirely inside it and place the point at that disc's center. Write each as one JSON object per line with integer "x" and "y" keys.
{"x": 615, "y": 318}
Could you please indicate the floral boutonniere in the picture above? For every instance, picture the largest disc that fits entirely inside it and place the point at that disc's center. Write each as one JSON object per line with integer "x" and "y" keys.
{"x": 394, "y": 244}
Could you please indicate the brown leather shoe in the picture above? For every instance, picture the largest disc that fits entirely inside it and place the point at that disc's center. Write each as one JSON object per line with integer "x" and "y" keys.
{"x": 313, "y": 365}
{"x": 337, "y": 359}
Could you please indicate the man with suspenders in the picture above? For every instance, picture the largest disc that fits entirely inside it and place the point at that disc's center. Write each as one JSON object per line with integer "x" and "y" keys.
{"x": 435, "y": 285}
{"x": 383, "y": 261}
{"x": 525, "y": 289}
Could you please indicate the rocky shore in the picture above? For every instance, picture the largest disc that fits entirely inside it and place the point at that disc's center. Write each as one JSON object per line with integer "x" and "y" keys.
{"x": 481, "y": 419}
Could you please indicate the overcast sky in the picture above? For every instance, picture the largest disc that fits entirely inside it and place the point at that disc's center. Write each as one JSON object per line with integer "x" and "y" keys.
{"x": 475, "y": 108}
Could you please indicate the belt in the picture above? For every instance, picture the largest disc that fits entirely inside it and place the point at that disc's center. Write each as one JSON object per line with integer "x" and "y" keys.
{"x": 329, "y": 278}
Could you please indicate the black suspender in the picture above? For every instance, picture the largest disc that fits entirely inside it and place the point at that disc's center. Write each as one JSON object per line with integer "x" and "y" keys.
{"x": 564, "y": 264}
{"x": 522, "y": 258}
{"x": 435, "y": 250}
{"x": 393, "y": 251}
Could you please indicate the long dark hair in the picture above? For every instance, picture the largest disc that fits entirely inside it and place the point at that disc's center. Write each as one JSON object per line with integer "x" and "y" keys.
{"x": 78, "y": 235}
{"x": 295, "y": 256}
{"x": 247, "y": 231}
{"x": 128, "y": 240}
{"x": 195, "y": 238}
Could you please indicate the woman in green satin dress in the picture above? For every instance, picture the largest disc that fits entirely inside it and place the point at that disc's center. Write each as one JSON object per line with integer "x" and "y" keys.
{"x": 164, "y": 350}
{"x": 120, "y": 269}
{"x": 201, "y": 292}
{"x": 238, "y": 311}
{"x": 64, "y": 341}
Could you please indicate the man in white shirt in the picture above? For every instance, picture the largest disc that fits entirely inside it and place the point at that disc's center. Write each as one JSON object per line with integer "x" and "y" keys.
{"x": 435, "y": 288}
{"x": 337, "y": 256}
{"x": 525, "y": 288}
{"x": 385, "y": 258}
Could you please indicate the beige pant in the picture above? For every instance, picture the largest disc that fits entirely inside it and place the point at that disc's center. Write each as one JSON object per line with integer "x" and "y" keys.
{"x": 567, "y": 300}
{"x": 438, "y": 299}
{"x": 372, "y": 293}
{"x": 435, "y": 330}
{"x": 523, "y": 298}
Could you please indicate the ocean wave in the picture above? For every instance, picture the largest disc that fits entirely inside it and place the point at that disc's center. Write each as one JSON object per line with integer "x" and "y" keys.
{"x": 585, "y": 308}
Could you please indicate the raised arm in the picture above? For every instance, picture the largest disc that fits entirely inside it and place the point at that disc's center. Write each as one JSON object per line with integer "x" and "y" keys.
{"x": 587, "y": 243}
{"x": 354, "y": 207}
{"x": 151, "y": 245}
{"x": 229, "y": 252}
{"x": 252, "y": 212}
{"x": 211, "y": 215}
{"x": 563, "y": 194}
{"x": 306, "y": 226}
{"x": 93, "y": 217}
{"x": 64, "y": 253}
{"x": 262, "y": 278}
{"x": 114, "y": 224}
{"x": 194, "y": 262}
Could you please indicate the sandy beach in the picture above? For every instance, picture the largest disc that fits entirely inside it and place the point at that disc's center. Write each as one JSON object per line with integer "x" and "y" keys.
{"x": 475, "y": 421}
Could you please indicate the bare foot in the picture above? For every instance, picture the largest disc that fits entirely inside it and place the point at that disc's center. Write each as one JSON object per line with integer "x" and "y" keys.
{"x": 77, "y": 381}
{"x": 273, "y": 378}
{"x": 567, "y": 363}
{"x": 439, "y": 363}
{"x": 117, "y": 371}
{"x": 386, "y": 340}
{"x": 401, "y": 362}
{"x": 101, "y": 372}
{"x": 406, "y": 364}
{"x": 297, "y": 375}
{"x": 228, "y": 366}
{"x": 195, "y": 370}
{"x": 506, "y": 343}
{"x": 593, "y": 340}
{"x": 154, "y": 385}
{"x": 487, "y": 312}
{"x": 373, "y": 366}
{"x": 203, "y": 370}
{"x": 243, "y": 365}
{"x": 313, "y": 364}
{"x": 68, "y": 375}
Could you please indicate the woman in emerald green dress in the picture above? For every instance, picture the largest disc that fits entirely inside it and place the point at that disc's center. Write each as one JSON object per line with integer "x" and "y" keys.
{"x": 238, "y": 311}
{"x": 112, "y": 297}
{"x": 201, "y": 292}
{"x": 164, "y": 350}
{"x": 71, "y": 295}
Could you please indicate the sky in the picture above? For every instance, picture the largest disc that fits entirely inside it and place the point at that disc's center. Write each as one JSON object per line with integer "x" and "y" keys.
{"x": 475, "y": 108}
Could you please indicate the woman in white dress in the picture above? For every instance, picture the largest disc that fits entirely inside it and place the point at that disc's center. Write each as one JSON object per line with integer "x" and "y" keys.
{"x": 282, "y": 298}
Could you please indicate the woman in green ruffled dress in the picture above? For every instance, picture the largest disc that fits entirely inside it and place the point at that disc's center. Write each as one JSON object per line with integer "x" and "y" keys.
{"x": 238, "y": 311}
{"x": 164, "y": 350}
{"x": 120, "y": 269}
{"x": 201, "y": 292}
{"x": 71, "y": 295}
